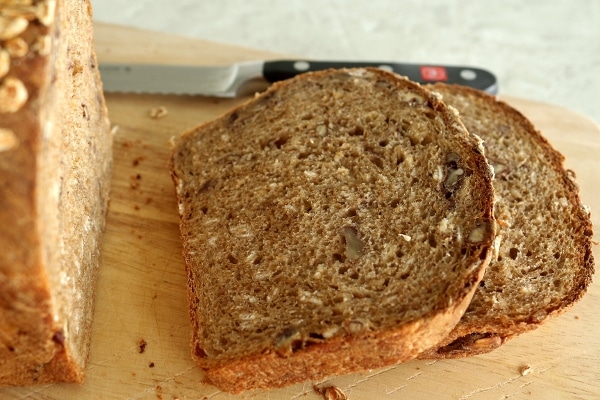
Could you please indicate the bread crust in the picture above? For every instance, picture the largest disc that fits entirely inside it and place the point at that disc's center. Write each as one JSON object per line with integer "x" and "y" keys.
{"x": 35, "y": 343}
{"x": 343, "y": 353}
{"x": 335, "y": 357}
{"x": 478, "y": 333}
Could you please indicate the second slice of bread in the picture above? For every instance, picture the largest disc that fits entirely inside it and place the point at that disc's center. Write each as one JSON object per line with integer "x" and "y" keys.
{"x": 542, "y": 261}
{"x": 340, "y": 221}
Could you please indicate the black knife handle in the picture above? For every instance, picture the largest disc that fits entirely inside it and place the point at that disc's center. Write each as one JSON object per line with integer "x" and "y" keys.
{"x": 477, "y": 78}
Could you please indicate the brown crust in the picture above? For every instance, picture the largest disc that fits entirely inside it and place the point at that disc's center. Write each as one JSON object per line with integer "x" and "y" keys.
{"x": 335, "y": 357}
{"x": 482, "y": 336}
{"x": 32, "y": 344}
{"x": 341, "y": 354}
{"x": 18, "y": 177}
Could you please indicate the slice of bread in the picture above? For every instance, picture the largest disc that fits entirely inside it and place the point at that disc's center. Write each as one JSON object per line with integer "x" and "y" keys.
{"x": 55, "y": 161}
{"x": 339, "y": 221}
{"x": 542, "y": 261}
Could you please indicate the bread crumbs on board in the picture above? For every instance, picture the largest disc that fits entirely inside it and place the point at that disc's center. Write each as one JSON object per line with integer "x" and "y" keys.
{"x": 135, "y": 181}
{"x": 138, "y": 160}
{"x": 525, "y": 370}
{"x": 158, "y": 112}
{"x": 331, "y": 393}
{"x": 142, "y": 344}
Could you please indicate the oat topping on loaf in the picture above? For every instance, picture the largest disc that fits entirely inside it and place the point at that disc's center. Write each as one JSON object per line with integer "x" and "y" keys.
{"x": 542, "y": 261}
{"x": 310, "y": 220}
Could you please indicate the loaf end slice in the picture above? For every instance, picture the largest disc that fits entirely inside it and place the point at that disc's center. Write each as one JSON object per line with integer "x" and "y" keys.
{"x": 55, "y": 162}
{"x": 338, "y": 222}
{"x": 542, "y": 262}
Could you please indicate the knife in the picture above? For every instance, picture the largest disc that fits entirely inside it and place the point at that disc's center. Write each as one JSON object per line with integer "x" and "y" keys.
{"x": 229, "y": 80}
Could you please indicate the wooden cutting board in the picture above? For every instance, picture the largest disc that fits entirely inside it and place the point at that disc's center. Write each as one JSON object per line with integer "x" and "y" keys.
{"x": 140, "y": 344}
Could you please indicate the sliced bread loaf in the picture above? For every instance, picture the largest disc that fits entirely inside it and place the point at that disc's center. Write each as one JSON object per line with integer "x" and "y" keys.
{"x": 339, "y": 221}
{"x": 542, "y": 261}
{"x": 55, "y": 159}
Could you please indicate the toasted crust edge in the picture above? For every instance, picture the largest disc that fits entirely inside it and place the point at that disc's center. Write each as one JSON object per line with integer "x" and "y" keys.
{"x": 340, "y": 356}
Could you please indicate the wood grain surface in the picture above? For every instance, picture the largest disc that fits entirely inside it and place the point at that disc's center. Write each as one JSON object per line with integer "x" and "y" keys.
{"x": 140, "y": 345}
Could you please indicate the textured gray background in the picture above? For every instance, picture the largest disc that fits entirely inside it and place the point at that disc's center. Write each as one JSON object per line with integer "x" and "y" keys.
{"x": 539, "y": 49}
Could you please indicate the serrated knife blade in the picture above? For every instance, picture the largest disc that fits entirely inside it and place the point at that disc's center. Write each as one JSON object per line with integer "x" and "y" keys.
{"x": 229, "y": 80}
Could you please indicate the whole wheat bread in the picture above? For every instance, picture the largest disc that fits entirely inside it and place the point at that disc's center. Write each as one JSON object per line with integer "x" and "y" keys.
{"x": 542, "y": 260}
{"x": 55, "y": 160}
{"x": 339, "y": 221}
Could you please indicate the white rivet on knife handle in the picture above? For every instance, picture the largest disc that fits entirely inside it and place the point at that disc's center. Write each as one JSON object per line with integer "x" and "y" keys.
{"x": 301, "y": 66}
{"x": 468, "y": 74}
{"x": 386, "y": 67}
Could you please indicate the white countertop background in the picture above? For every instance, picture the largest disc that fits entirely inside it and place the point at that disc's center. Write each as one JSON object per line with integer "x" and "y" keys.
{"x": 545, "y": 50}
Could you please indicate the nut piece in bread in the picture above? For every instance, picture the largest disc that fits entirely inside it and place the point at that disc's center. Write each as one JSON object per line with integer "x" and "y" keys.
{"x": 55, "y": 162}
{"x": 310, "y": 222}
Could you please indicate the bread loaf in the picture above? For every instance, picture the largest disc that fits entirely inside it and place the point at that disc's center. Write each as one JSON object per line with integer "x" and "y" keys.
{"x": 542, "y": 261}
{"x": 55, "y": 162}
{"x": 339, "y": 221}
